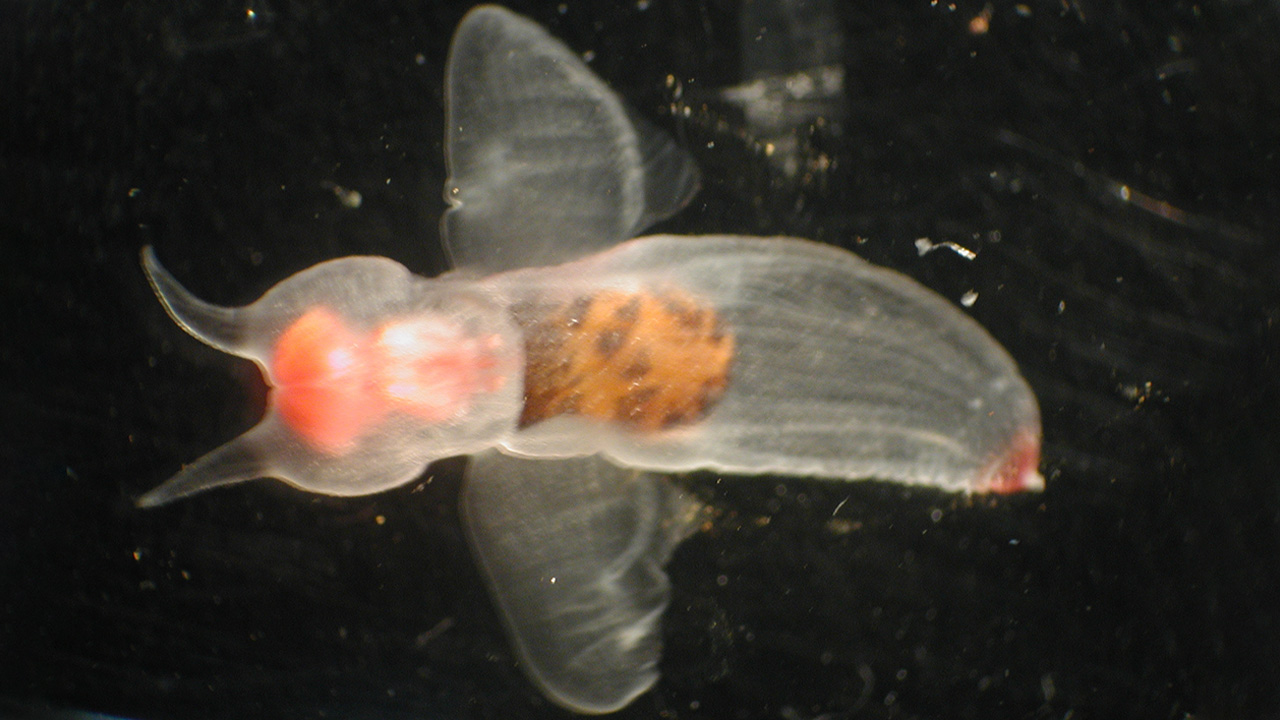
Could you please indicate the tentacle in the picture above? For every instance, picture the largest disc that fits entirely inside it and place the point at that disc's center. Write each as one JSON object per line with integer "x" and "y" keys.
{"x": 214, "y": 325}
{"x": 234, "y": 462}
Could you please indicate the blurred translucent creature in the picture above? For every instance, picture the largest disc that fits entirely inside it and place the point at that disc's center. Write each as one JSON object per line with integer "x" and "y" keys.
{"x": 793, "y": 69}
{"x": 568, "y": 360}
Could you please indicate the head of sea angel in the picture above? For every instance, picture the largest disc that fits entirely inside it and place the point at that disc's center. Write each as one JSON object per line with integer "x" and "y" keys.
{"x": 373, "y": 374}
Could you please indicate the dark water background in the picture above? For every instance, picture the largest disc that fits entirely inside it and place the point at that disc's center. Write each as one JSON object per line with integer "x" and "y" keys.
{"x": 1144, "y": 583}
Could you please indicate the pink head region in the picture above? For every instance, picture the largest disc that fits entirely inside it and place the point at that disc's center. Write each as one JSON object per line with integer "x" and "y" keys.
{"x": 1017, "y": 470}
{"x": 333, "y": 385}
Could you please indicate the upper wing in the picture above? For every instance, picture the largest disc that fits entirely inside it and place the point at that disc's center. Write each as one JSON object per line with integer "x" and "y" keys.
{"x": 545, "y": 163}
{"x": 573, "y": 551}
{"x": 839, "y": 368}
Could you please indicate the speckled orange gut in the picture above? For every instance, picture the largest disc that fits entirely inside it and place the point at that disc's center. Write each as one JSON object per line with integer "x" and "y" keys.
{"x": 584, "y": 359}
{"x": 649, "y": 361}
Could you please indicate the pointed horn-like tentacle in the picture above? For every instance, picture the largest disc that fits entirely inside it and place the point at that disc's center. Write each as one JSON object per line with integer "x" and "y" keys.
{"x": 214, "y": 325}
{"x": 234, "y": 462}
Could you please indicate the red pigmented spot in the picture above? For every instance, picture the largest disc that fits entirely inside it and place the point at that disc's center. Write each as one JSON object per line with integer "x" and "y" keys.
{"x": 1018, "y": 469}
{"x": 322, "y": 383}
{"x": 333, "y": 385}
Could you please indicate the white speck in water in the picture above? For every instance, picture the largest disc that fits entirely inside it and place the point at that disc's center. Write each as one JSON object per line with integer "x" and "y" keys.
{"x": 349, "y": 198}
{"x": 840, "y": 505}
{"x": 924, "y": 246}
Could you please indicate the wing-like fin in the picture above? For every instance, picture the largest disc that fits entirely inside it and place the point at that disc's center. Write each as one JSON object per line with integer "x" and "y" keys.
{"x": 573, "y": 551}
{"x": 545, "y": 162}
{"x": 671, "y": 178}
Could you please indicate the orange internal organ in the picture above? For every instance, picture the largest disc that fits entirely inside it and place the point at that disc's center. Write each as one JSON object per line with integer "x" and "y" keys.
{"x": 332, "y": 385}
{"x": 647, "y": 360}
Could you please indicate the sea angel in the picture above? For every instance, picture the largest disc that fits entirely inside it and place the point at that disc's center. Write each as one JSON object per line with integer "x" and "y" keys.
{"x": 568, "y": 360}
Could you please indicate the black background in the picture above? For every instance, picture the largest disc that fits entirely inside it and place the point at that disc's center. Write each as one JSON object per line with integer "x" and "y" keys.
{"x": 1142, "y": 584}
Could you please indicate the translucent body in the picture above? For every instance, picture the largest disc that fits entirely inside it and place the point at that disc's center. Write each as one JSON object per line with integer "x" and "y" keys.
{"x": 568, "y": 374}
